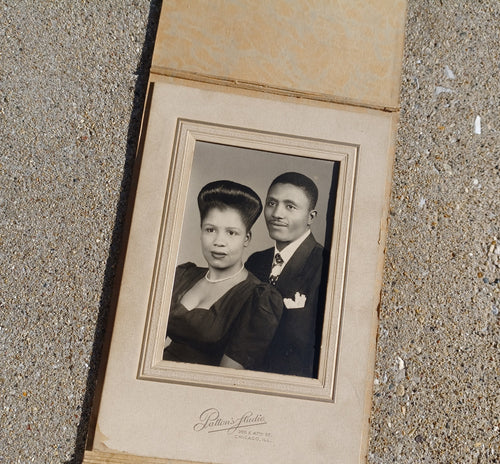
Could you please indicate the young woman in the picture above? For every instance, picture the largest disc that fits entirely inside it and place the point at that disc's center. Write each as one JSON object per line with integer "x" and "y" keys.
{"x": 222, "y": 314}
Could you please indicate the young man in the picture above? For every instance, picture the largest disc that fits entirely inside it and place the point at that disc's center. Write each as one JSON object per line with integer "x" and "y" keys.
{"x": 294, "y": 265}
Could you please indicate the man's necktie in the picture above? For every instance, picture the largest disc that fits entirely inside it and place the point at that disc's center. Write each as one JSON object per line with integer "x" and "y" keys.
{"x": 276, "y": 269}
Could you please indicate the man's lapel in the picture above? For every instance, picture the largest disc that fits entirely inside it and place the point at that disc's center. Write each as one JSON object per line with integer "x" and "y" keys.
{"x": 262, "y": 266}
{"x": 290, "y": 276}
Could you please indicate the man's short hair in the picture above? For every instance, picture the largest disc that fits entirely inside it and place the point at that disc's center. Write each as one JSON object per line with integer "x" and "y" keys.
{"x": 301, "y": 181}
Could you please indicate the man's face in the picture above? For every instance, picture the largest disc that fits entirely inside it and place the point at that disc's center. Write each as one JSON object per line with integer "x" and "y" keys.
{"x": 287, "y": 212}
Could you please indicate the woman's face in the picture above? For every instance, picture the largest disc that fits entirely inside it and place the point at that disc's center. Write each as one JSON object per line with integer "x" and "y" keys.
{"x": 223, "y": 239}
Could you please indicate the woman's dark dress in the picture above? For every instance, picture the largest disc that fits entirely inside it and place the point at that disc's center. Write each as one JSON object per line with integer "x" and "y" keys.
{"x": 241, "y": 324}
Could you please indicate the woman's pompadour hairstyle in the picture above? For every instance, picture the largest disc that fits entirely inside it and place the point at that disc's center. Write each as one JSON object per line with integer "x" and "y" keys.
{"x": 223, "y": 194}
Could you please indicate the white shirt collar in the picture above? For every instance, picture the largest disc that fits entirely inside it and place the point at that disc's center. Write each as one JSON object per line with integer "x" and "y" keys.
{"x": 287, "y": 252}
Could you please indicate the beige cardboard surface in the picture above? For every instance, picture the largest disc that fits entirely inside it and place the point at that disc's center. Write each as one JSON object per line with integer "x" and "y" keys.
{"x": 159, "y": 419}
{"x": 346, "y": 51}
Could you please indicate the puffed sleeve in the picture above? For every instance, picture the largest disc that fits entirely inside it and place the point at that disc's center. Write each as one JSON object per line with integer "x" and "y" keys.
{"x": 255, "y": 327}
{"x": 182, "y": 269}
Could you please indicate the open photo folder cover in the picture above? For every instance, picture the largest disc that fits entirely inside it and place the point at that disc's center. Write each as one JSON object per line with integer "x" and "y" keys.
{"x": 268, "y": 127}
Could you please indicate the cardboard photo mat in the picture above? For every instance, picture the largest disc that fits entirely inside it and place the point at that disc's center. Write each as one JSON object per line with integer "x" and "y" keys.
{"x": 151, "y": 410}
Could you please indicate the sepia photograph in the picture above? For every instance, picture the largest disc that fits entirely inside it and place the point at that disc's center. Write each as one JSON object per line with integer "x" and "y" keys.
{"x": 250, "y": 278}
{"x": 248, "y": 270}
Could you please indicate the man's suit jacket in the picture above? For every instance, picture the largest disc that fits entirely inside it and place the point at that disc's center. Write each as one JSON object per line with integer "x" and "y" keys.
{"x": 297, "y": 341}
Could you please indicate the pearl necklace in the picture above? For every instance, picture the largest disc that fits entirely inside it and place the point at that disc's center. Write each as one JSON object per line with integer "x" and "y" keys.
{"x": 215, "y": 281}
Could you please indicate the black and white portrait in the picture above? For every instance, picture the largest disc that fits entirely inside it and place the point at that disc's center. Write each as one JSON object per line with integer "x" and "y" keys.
{"x": 253, "y": 259}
